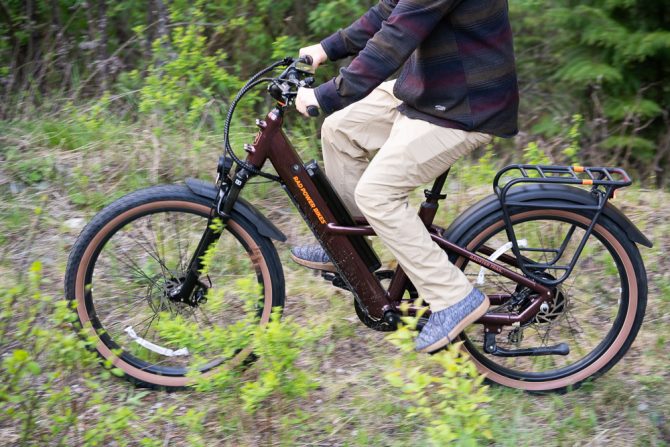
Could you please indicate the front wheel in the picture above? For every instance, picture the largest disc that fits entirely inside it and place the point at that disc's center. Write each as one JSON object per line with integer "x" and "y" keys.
{"x": 597, "y": 311}
{"x": 135, "y": 252}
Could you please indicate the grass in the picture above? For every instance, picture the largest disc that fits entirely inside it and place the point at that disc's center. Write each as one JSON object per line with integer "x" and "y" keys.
{"x": 56, "y": 173}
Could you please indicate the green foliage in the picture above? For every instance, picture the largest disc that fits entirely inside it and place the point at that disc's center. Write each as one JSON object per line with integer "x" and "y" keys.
{"x": 43, "y": 376}
{"x": 335, "y": 14}
{"x": 274, "y": 377}
{"x": 534, "y": 155}
{"x": 482, "y": 172}
{"x": 184, "y": 81}
{"x": 606, "y": 59}
{"x": 571, "y": 153}
{"x": 29, "y": 171}
{"x": 279, "y": 345}
{"x": 443, "y": 391}
{"x": 94, "y": 115}
{"x": 55, "y": 362}
{"x": 285, "y": 46}
{"x": 217, "y": 226}
{"x": 180, "y": 62}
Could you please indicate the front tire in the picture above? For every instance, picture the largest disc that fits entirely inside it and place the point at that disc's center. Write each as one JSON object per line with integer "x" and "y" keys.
{"x": 128, "y": 258}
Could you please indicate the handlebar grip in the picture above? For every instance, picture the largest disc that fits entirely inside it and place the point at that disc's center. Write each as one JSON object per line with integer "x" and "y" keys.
{"x": 313, "y": 111}
{"x": 307, "y": 59}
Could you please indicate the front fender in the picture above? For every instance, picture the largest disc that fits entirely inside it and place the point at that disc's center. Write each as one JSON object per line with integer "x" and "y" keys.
{"x": 545, "y": 195}
{"x": 244, "y": 208}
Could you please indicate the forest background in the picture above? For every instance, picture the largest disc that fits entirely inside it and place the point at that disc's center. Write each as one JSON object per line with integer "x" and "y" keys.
{"x": 100, "y": 97}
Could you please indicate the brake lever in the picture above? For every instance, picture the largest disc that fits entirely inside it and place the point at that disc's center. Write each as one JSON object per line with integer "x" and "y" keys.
{"x": 280, "y": 88}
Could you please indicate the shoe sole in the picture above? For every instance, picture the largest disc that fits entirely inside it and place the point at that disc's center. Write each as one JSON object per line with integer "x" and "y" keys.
{"x": 467, "y": 321}
{"x": 325, "y": 266}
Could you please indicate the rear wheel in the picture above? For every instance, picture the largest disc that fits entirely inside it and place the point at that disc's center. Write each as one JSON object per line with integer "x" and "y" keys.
{"x": 597, "y": 311}
{"x": 135, "y": 252}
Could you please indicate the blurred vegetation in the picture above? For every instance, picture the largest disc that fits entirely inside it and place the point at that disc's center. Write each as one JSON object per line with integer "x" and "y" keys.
{"x": 603, "y": 59}
{"x": 181, "y": 61}
{"x": 99, "y": 98}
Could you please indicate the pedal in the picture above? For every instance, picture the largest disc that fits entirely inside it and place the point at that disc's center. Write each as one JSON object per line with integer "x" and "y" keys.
{"x": 335, "y": 279}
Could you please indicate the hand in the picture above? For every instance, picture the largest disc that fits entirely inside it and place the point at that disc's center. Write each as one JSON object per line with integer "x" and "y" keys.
{"x": 317, "y": 53}
{"x": 304, "y": 99}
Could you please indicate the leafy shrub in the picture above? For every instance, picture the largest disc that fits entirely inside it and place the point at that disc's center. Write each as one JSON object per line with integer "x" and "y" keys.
{"x": 184, "y": 81}
{"x": 47, "y": 369}
{"x": 443, "y": 391}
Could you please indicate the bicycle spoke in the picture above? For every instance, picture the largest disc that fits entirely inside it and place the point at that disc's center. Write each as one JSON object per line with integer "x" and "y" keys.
{"x": 142, "y": 262}
{"x": 156, "y": 315}
{"x": 153, "y": 255}
{"x": 132, "y": 265}
{"x": 156, "y": 238}
{"x": 175, "y": 224}
{"x": 581, "y": 316}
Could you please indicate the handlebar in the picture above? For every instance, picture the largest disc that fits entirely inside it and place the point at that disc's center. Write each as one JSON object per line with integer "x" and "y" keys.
{"x": 312, "y": 111}
{"x": 283, "y": 88}
{"x": 299, "y": 73}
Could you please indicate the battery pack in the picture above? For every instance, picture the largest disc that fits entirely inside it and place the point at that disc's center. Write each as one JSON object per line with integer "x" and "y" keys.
{"x": 342, "y": 215}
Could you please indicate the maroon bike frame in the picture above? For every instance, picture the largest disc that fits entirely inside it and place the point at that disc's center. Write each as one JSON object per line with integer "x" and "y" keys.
{"x": 272, "y": 144}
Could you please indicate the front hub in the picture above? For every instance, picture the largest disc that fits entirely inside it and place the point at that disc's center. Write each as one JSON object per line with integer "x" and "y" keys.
{"x": 173, "y": 292}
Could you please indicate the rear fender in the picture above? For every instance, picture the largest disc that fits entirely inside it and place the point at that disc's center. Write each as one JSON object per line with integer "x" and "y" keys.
{"x": 242, "y": 207}
{"x": 546, "y": 195}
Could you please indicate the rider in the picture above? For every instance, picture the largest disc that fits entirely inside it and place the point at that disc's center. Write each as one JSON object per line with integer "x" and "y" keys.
{"x": 456, "y": 90}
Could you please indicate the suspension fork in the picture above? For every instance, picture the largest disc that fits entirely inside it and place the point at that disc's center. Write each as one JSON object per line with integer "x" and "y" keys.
{"x": 228, "y": 194}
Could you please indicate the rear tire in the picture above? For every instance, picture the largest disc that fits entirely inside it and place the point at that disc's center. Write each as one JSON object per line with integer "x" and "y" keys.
{"x": 134, "y": 251}
{"x": 598, "y": 312}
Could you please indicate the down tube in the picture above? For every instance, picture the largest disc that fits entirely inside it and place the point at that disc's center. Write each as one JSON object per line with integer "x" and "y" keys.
{"x": 316, "y": 212}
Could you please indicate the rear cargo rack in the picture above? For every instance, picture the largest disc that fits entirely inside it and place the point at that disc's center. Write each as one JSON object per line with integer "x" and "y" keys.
{"x": 603, "y": 183}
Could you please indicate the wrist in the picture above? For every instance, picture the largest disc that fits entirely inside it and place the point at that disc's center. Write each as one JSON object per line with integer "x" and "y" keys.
{"x": 327, "y": 97}
{"x": 334, "y": 47}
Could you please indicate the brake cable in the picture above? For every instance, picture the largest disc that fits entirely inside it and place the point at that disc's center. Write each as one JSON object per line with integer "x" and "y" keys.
{"x": 253, "y": 82}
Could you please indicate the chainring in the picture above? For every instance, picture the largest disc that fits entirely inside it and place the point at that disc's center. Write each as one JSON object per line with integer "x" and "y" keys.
{"x": 375, "y": 324}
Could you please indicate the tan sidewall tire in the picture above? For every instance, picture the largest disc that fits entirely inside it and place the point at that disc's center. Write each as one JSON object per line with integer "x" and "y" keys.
{"x": 618, "y": 343}
{"x": 80, "y": 295}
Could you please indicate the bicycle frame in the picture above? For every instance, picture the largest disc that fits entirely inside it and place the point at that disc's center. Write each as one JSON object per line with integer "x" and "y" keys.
{"x": 272, "y": 144}
{"x": 608, "y": 291}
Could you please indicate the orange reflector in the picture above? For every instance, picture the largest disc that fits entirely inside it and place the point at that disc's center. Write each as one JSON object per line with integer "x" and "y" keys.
{"x": 578, "y": 168}
{"x": 587, "y": 182}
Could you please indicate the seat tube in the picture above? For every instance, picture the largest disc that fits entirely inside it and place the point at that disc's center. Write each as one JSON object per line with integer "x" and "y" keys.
{"x": 427, "y": 213}
{"x": 429, "y": 207}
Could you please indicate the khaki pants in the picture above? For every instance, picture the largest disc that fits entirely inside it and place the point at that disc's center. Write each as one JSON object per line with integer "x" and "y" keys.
{"x": 409, "y": 153}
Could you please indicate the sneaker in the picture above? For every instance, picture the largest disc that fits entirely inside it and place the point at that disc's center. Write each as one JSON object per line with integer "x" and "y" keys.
{"x": 444, "y": 326}
{"x": 313, "y": 257}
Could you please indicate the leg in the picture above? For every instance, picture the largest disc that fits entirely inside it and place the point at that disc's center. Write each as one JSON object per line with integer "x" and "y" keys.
{"x": 415, "y": 153}
{"x": 351, "y": 136}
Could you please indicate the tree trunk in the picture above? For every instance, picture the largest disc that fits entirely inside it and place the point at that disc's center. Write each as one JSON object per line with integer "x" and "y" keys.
{"x": 162, "y": 20}
{"x": 103, "y": 58}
